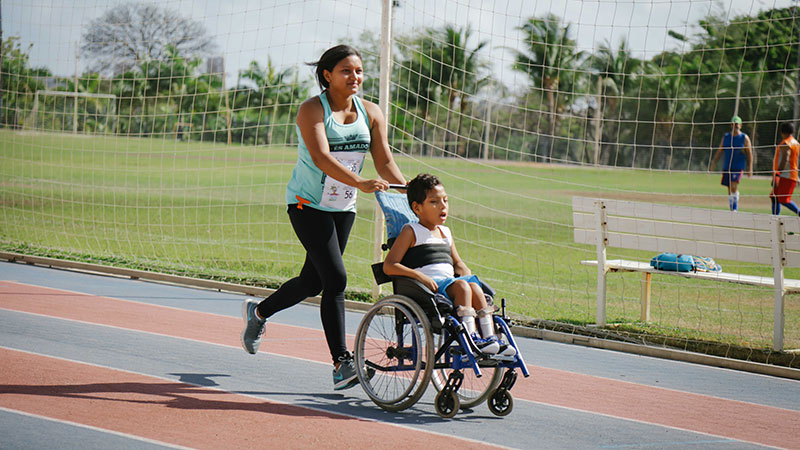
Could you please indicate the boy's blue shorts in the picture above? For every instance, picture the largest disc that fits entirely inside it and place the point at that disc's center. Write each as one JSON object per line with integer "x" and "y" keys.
{"x": 731, "y": 177}
{"x": 444, "y": 283}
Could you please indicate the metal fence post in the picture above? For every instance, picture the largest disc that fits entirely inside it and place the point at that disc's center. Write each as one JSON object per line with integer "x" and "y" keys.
{"x": 383, "y": 103}
{"x": 778, "y": 262}
{"x": 602, "y": 241}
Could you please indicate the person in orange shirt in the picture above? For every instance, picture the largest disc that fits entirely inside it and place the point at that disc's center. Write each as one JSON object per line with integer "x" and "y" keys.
{"x": 784, "y": 168}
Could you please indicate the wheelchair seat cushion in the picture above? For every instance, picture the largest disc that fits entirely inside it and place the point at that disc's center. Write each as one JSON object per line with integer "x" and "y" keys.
{"x": 397, "y": 212}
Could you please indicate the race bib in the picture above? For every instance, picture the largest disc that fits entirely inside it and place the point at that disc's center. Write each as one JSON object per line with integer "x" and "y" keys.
{"x": 337, "y": 195}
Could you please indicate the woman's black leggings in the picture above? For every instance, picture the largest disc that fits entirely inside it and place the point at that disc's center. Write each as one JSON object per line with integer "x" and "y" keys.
{"x": 324, "y": 236}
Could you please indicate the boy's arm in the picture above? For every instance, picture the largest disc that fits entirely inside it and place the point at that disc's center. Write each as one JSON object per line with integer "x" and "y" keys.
{"x": 717, "y": 154}
{"x": 748, "y": 151}
{"x": 393, "y": 267}
{"x": 459, "y": 267}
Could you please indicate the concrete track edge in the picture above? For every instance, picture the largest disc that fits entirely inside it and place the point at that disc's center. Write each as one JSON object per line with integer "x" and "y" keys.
{"x": 554, "y": 336}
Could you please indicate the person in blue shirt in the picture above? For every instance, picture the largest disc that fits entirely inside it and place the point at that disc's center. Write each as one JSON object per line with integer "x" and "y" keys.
{"x": 738, "y": 156}
{"x": 336, "y": 131}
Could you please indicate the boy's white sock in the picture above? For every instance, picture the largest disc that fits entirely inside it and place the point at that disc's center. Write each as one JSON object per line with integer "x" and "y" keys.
{"x": 467, "y": 317}
{"x": 733, "y": 201}
{"x": 486, "y": 322}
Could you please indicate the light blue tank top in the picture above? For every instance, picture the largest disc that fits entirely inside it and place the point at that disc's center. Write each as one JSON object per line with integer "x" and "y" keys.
{"x": 349, "y": 144}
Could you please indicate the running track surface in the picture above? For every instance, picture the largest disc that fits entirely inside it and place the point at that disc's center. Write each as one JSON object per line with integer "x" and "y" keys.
{"x": 91, "y": 361}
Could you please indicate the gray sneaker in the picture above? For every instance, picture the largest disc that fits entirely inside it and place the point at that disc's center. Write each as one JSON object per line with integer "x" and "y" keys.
{"x": 345, "y": 376}
{"x": 253, "y": 326}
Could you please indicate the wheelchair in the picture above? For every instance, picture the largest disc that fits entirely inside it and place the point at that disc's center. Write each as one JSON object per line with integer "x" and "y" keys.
{"x": 412, "y": 338}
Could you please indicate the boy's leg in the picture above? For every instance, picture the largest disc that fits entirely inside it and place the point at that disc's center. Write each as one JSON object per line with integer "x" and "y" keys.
{"x": 733, "y": 195}
{"x": 460, "y": 292}
{"x": 792, "y": 207}
{"x": 477, "y": 298}
{"x": 484, "y": 312}
{"x": 467, "y": 317}
{"x": 786, "y": 195}
{"x": 776, "y": 205}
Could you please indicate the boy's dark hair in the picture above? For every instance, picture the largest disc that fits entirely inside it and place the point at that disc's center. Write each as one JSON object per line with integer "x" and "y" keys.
{"x": 418, "y": 188}
{"x": 787, "y": 128}
{"x": 330, "y": 59}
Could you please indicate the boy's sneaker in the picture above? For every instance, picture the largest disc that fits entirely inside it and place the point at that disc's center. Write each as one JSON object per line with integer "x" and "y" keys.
{"x": 505, "y": 348}
{"x": 253, "y": 326}
{"x": 345, "y": 376}
{"x": 489, "y": 346}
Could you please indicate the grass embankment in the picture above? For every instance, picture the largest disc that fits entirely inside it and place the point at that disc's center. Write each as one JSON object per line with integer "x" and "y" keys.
{"x": 216, "y": 211}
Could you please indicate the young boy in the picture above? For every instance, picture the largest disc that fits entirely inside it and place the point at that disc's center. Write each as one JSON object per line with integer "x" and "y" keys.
{"x": 426, "y": 252}
{"x": 738, "y": 151}
{"x": 784, "y": 167}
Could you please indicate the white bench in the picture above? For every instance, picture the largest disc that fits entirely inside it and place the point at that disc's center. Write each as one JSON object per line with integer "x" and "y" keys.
{"x": 722, "y": 235}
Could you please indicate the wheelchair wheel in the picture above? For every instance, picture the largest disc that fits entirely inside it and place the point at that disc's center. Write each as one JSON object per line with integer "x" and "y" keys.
{"x": 473, "y": 390}
{"x": 501, "y": 403}
{"x": 446, "y": 404}
{"x": 394, "y": 339}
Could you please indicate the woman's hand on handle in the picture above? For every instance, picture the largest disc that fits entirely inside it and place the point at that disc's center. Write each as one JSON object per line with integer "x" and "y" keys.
{"x": 370, "y": 186}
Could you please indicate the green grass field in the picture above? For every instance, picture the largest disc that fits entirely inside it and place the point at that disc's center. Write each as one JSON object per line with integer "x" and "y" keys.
{"x": 219, "y": 211}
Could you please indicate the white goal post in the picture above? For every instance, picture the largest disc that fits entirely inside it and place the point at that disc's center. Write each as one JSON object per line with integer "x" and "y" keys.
{"x": 35, "y": 110}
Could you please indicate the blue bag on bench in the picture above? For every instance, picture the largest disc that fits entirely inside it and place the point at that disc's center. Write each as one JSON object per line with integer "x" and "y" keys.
{"x": 672, "y": 262}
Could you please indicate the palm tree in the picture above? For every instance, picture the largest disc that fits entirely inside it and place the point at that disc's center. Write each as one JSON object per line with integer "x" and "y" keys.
{"x": 460, "y": 67}
{"x": 273, "y": 89}
{"x": 614, "y": 68}
{"x": 440, "y": 64}
{"x": 550, "y": 60}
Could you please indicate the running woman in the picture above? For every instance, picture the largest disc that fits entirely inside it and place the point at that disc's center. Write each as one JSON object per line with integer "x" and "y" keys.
{"x": 335, "y": 131}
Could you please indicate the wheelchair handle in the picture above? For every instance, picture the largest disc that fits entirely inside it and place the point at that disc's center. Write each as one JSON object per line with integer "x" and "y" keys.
{"x": 398, "y": 186}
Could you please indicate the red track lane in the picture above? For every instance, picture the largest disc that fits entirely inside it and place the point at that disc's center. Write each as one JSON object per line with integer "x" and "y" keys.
{"x": 693, "y": 412}
{"x": 187, "y": 415}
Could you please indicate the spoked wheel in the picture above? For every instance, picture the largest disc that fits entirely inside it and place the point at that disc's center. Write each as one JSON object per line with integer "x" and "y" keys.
{"x": 473, "y": 390}
{"x": 501, "y": 402}
{"x": 394, "y": 339}
{"x": 446, "y": 404}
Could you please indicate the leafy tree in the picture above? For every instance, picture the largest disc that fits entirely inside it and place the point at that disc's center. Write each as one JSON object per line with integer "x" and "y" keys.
{"x": 19, "y": 81}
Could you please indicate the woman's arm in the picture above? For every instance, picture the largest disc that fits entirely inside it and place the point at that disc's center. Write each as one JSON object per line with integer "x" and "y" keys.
{"x": 392, "y": 265}
{"x": 312, "y": 128}
{"x": 379, "y": 147}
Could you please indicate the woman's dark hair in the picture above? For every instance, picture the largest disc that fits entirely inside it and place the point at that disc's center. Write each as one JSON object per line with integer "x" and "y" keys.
{"x": 330, "y": 59}
{"x": 787, "y": 128}
{"x": 418, "y": 188}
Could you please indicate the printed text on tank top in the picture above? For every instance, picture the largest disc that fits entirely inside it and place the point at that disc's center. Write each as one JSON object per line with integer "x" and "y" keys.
{"x": 350, "y": 154}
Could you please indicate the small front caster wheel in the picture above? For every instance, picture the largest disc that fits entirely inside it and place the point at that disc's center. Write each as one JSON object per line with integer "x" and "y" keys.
{"x": 501, "y": 403}
{"x": 447, "y": 404}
